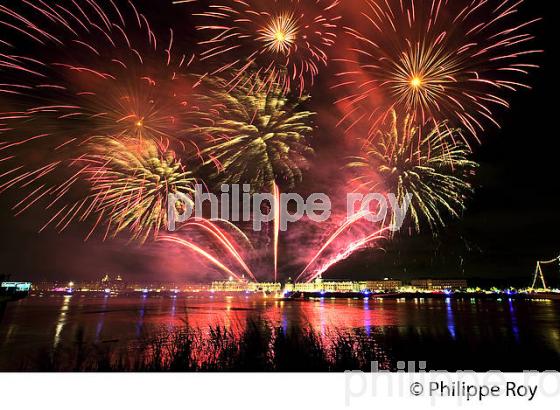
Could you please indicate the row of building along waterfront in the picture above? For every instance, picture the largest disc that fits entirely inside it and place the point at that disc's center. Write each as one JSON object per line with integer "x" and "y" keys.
{"x": 333, "y": 286}
{"x": 117, "y": 284}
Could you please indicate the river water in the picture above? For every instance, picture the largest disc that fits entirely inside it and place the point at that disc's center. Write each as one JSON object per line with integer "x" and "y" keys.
{"x": 449, "y": 334}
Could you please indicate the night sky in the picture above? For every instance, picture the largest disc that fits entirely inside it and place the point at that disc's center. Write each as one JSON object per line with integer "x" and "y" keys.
{"x": 511, "y": 221}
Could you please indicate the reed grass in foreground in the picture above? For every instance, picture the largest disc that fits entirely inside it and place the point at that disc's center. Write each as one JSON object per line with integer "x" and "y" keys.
{"x": 257, "y": 347}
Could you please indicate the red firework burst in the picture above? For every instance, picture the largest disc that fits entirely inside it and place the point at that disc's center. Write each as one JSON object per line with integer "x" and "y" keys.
{"x": 437, "y": 60}
{"x": 73, "y": 71}
{"x": 282, "y": 41}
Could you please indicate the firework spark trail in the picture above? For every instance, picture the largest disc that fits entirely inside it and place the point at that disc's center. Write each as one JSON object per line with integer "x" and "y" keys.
{"x": 348, "y": 222}
{"x": 347, "y": 252}
{"x": 438, "y": 60}
{"x": 222, "y": 239}
{"x": 283, "y": 42}
{"x": 199, "y": 251}
{"x": 276, "y": 233}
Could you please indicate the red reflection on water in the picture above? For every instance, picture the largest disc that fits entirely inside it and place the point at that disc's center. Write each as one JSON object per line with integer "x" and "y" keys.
{"x": 233, "y": 312}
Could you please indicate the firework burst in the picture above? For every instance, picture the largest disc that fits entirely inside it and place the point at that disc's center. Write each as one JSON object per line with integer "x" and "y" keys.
{"x": 284, "y": 41}
{"x": 437, "y": 60}
{"x": 93, "y": 69}
{"x": 130, "y": 185}
{"x": 257, "y": 138}
{"x": 433, "y": 169}
{"x": 74, "y": 71}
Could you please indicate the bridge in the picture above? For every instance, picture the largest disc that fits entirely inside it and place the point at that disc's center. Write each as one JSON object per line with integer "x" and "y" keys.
{"x": 539, "y": 277}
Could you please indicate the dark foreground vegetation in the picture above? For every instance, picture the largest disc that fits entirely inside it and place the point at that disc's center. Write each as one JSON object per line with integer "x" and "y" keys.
{"x": 257, "y": 347}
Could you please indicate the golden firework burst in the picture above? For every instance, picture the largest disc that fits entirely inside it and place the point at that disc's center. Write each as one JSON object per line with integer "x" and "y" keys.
{"x": 256, "y": 137}
{"x": 280, "y": 34}
{"x": 131, "y": 181}
{"x": 432, "y": 168}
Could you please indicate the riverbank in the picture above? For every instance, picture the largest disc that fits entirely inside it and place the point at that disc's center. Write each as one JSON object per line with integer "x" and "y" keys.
{"x": 428, "y": 295}
{"x": 489, "y": 295}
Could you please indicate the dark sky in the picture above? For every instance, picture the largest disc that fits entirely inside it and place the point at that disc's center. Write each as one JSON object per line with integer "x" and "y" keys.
{"x": 511, "y": 221}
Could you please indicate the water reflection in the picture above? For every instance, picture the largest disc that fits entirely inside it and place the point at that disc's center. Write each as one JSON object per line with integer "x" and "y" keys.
{"x": 12, "y": 327}
{"x": 513, "y": 317}
{"x": 367, "y": 317}
{"x": 450, "y": 318}
{"x": 61, "y": 319}
{"x": 101, "y": 321}
{"x": 173, "y": 305}
{"x": 284, "y": 320}
{"x": 553, "y": 335}
{"x": 141, "y": 313}
{"x": 396, "y": 325}
{"x": 322, "y": 319}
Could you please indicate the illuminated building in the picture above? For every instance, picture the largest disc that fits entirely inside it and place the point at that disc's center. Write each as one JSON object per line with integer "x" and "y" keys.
{"x": 319, "y": 285}
{"x": 342, "y": 287}
{"x": 264, "y": 287}
{"x": 244, "y": 286}
{"x": 439, "y": 284}
{"x": 386, "y": 285}
{"x": 230, "y": 286}
{"x": 333, "y": 286}
{"x": 114, "y": 284}
{"x": 289, "y": 286}
{"x": 194, "y": 287}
